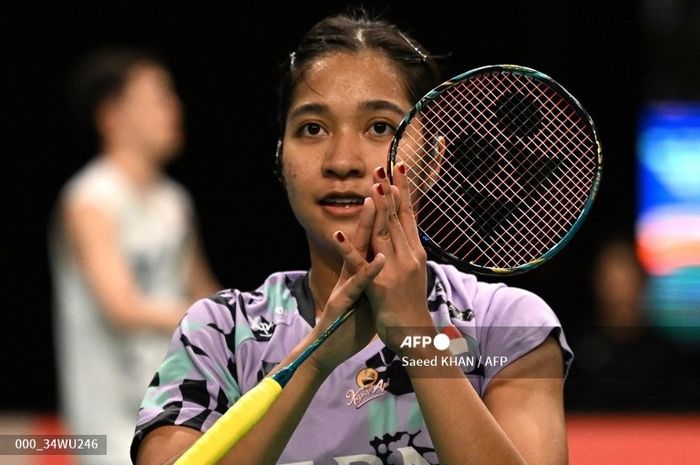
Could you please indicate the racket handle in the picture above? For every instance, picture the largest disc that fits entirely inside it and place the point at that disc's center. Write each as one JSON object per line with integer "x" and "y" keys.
{"x": 233, "y": 425}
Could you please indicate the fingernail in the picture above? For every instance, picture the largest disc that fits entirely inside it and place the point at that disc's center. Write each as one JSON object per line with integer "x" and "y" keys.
{"x": 381, "y": 173}
{"x": 340, "y": 237}
{"x": 402, "y": 168}
{"x": 379, "y": 189}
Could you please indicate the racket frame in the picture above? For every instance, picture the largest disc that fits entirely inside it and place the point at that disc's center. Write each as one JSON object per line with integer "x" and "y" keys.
{"x": 432, "y": 95}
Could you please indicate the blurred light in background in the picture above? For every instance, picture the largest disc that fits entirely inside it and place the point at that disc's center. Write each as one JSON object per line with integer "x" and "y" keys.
{"x": 668, "y": 221}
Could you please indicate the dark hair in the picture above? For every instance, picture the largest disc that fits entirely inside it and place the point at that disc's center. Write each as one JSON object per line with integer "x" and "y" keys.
{"x": 102, "y": 75}
{"x": 353, "y": 32}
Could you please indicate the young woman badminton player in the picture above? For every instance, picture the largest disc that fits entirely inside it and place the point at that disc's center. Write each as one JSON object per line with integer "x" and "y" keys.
{"x": 358, "y": 399}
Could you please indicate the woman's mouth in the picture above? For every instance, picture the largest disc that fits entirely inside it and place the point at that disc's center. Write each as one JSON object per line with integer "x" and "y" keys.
{"x": 342, "y": 205}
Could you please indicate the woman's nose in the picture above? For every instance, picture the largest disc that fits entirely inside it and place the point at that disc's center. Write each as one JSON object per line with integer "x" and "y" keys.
{"x": 344, "y": 158}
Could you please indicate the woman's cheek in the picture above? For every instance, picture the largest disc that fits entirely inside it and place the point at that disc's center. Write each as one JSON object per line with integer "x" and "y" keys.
{"x": 295, "y": 188}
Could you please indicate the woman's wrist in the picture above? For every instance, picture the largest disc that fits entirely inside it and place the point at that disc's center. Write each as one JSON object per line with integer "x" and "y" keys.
{"x": 322, "y": 361}
{"x": 408, "y": 325}
{"x": 319, "y": 370}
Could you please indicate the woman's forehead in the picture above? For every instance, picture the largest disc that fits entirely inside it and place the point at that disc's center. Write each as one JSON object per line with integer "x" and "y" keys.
{"x": 343, "y": 77}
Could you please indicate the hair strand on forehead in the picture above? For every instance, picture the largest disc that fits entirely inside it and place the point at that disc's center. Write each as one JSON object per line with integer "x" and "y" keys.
{"x": 356, "y": 32}
{"x": 423, "y": 56}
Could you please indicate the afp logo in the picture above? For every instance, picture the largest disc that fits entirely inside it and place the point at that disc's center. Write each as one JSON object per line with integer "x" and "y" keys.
{"x": 449, "y": 339}
{"x": 439, "y": 341}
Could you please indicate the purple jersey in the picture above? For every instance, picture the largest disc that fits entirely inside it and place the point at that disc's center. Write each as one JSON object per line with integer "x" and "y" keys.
{"x": 365, "y": 412}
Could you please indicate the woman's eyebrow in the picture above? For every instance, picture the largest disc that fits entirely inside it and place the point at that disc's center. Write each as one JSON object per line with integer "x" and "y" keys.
{"x": 309, "y": 108}
{"x": 369, "y": 105}
{"x": 377, "y": 105}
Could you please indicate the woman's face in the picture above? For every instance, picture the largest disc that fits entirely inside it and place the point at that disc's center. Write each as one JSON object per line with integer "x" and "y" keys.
{"x": 340, "y": 123}
{"x": 148, "y": 112}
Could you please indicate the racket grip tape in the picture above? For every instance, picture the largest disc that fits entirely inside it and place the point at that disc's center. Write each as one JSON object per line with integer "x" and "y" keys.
{"x": 233, "y": 425}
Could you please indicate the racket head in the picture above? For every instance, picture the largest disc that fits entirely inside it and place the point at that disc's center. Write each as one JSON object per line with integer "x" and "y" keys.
{"x": 503, "y": 163}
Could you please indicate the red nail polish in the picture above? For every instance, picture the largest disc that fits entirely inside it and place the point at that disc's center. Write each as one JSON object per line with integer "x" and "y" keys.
{"x": 379, "y": 189}
{"x": 340, "y": 236}
{"x": 402, "y": 168}
{"x": 381, "y": 173}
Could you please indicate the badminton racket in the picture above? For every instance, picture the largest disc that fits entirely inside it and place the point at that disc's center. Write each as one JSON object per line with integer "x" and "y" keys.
{"x": 503, "y": 165}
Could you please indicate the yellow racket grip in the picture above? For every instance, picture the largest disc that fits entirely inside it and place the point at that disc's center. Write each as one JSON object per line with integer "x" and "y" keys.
{"x": 233, "y": 425}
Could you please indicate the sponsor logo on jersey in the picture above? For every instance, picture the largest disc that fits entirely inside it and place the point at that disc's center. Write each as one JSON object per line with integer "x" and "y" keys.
{"x": 370, "y": 386}
{"x": 262, "y": 329}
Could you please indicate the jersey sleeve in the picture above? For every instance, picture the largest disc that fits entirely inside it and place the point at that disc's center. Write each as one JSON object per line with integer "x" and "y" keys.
{"x": 197, "y": 381}
{"x": 516, "y": 322}
{"x": 98, "y": 188}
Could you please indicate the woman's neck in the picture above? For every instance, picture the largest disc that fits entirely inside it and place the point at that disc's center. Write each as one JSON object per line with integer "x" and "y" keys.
{"x": 324, "y": 274}
{"x": 138, "y": 168}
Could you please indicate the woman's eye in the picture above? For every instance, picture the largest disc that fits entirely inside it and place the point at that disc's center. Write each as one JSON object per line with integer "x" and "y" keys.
{"x": 382, "y": 129}
{"x": 311, "y": 129}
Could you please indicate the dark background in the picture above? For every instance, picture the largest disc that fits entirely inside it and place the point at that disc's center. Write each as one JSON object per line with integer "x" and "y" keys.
{"x": 612, "y": 55}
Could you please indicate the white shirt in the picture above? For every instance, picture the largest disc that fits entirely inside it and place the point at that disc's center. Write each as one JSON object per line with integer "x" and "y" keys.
{"x": 103, "y": 370}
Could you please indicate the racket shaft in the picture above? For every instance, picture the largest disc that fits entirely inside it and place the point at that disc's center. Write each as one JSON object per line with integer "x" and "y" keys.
{"x": 233, "y": 425}
{"x": 249, "y": 409}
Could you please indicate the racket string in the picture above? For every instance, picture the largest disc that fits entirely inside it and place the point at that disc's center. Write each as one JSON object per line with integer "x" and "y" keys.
{"x": 450, "y": 246}
{"x": 446, "y": 220}
{"x": 448, "y": 216}
{"x": 465, "y": 234}
{"x": 514, "y": 175}
{"x": 486, "y": 161}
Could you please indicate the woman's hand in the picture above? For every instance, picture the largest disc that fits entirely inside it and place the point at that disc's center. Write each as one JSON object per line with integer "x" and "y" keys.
{"x": 357, "y": 273}
{"x": 398, "y": 294}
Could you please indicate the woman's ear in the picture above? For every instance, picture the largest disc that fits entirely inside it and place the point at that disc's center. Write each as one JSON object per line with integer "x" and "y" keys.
{"x": 435, "y": 161}
{"x": 431, "y": 163}
{"x": 278, "y": 162}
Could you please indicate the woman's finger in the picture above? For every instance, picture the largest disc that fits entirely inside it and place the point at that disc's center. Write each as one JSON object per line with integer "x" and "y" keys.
{"x": 396, "y": 232}
{"x": 405, "y": 211}
{"x": 349, "y": 292}
{"x": 381, "y": 237}
{"x": 353, "y": 260}
{"x": 363, "y": 230}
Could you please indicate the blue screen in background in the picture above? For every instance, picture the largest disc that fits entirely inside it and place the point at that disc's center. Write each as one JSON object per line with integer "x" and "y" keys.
{"x": 668, "y": 219}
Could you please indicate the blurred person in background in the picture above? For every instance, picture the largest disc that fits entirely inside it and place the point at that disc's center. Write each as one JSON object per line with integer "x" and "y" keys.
{"x": 624, "y": 362}
{"x": 125, "y": 254}
{"x": 618, "y": 288}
